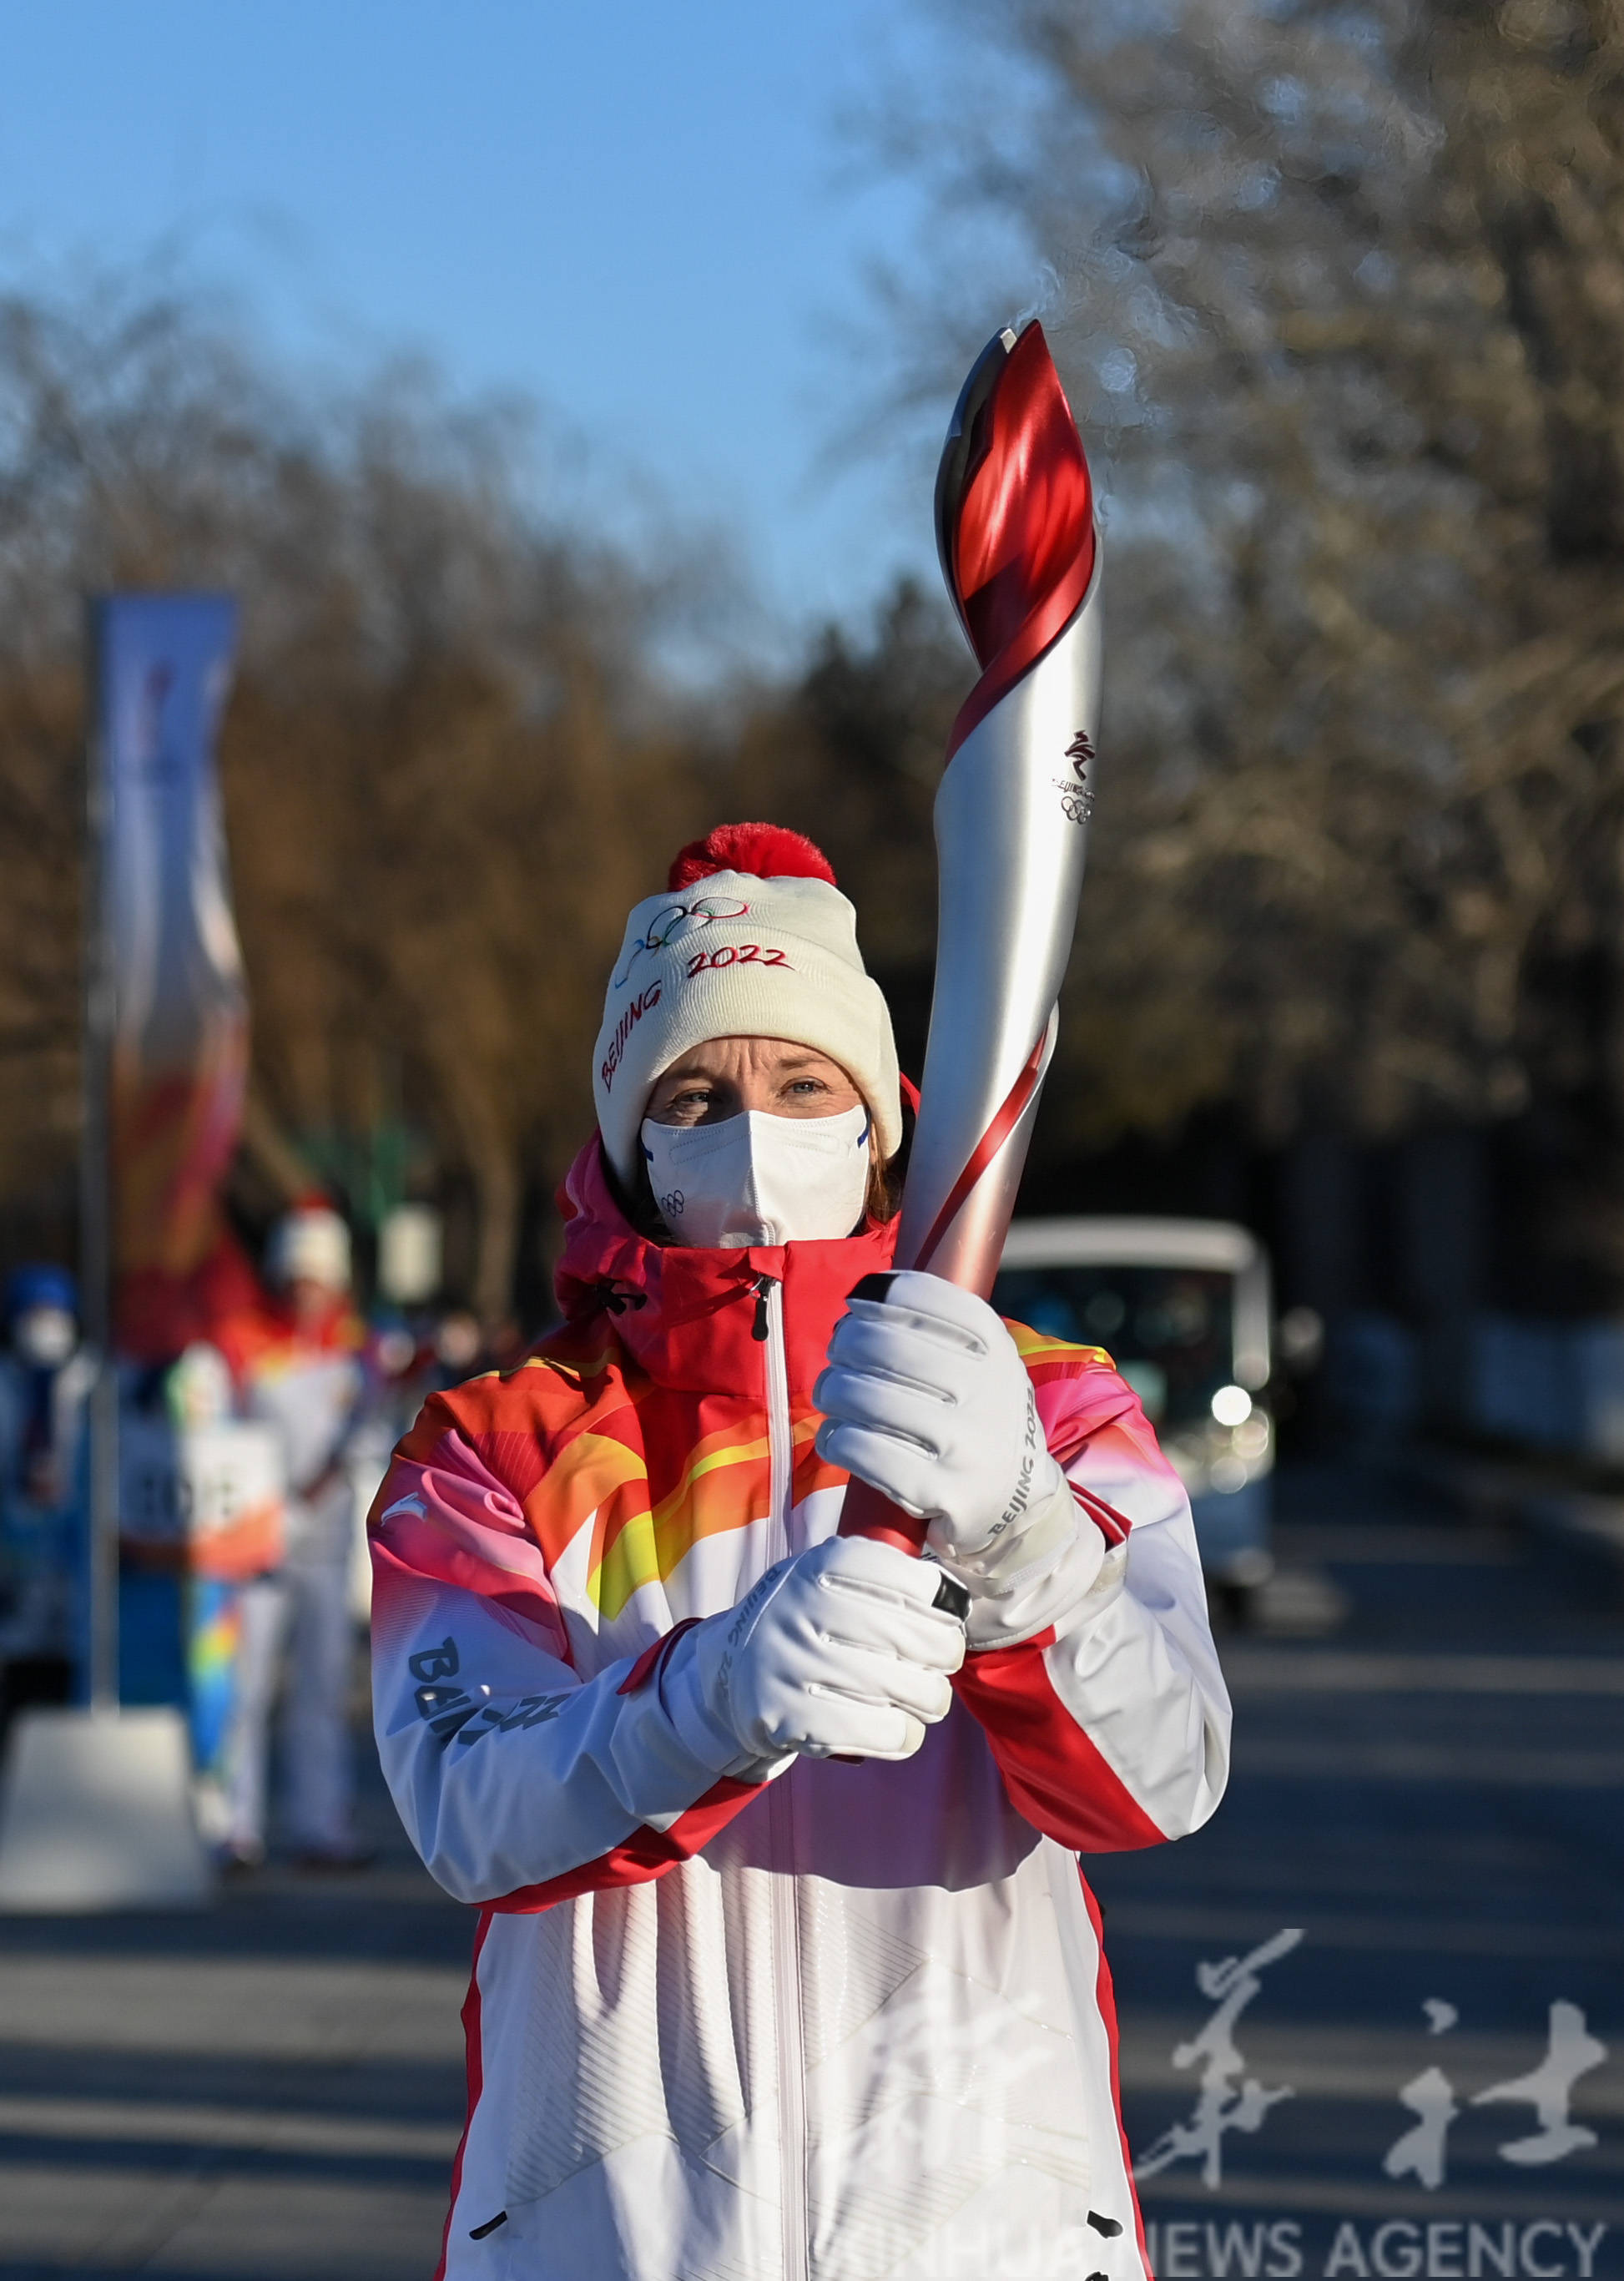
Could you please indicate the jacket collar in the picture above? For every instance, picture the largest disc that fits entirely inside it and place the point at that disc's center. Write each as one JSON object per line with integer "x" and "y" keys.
{"x": 685, "y": 1314}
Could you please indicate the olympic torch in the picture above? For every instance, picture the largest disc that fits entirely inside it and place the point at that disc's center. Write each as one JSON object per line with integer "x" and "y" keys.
{"x": 1016, "y": 532}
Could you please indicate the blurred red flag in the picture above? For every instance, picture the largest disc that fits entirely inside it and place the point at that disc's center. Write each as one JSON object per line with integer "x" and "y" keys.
{"x": 180, "y": 1046}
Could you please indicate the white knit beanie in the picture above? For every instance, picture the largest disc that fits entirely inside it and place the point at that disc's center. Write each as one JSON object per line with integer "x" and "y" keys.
{"x": 753, "y": 939}
{"x": 310, "y": 1244}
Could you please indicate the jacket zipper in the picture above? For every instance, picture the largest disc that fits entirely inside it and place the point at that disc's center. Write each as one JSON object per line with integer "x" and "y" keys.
{"x": 768, "y": 1327}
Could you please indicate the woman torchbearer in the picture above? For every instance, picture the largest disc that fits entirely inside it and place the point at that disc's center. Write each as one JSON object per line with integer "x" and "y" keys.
{"x": 785, "y": 1969}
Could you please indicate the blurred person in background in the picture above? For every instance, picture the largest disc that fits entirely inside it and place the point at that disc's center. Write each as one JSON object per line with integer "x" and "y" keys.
{"x": 234, "y": 1631}
{"x": 301, "y": 1367}
{"x": 458, "y": 1347}
{"x": 736, "y": 2007}
{"x": 45, "y": 1376}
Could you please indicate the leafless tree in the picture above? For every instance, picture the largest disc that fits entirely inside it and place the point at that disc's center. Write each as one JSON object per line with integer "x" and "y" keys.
{"x": 446, "y": 765}
{"x": 1339, "y": 294}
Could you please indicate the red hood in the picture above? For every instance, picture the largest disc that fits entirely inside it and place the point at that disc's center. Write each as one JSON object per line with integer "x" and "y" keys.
{"x": 686, "y": 1313}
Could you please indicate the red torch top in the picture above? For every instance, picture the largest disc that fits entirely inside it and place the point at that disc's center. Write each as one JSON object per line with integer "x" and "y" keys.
{"x": 1014, "y": 516}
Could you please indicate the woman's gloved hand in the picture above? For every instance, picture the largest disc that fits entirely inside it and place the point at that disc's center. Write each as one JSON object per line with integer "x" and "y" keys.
{"x": 838, "y": 1651}
{"x": 926, "y": 1398}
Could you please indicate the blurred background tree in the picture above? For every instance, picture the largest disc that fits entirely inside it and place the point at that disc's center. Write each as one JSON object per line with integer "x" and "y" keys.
{"x": 445, "y": 765}
{"x": 1345, "y": 287}
{"x": 1339, "y": 294}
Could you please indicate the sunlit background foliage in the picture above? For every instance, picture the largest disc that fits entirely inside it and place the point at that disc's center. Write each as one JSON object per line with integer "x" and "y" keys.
{"x": 1339, "y": 294}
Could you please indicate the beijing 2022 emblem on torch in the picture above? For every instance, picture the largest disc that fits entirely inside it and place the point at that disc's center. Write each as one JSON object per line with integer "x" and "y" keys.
{"x": 1015, "y": 528}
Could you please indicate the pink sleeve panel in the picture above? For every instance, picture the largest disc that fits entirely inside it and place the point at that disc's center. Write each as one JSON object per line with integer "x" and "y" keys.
{"x": 450, "y": 1520}
{"x": 519, "y": 1782}
{"x": 1092, "y": 1409}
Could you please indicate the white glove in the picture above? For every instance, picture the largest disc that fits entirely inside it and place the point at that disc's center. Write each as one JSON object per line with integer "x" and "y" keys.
{"x": 926, "y": 1398}
{"x": 839, "y": 1651}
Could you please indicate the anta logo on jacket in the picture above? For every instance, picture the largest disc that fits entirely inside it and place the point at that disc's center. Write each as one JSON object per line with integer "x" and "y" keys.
{"x": 850, "y": 2024}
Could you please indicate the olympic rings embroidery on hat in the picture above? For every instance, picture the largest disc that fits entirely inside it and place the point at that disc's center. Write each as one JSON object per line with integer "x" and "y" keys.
{"x": 678, "y": 920}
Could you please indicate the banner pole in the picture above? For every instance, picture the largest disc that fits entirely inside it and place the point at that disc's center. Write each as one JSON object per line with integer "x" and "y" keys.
{"x": 95, "y": 1196}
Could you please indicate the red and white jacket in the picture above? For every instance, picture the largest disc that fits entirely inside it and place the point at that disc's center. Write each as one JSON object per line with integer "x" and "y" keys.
{"x": 852, "y": 2023}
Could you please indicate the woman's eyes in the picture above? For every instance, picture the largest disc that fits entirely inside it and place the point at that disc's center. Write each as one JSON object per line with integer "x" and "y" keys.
{"x": 698, "y": 1098}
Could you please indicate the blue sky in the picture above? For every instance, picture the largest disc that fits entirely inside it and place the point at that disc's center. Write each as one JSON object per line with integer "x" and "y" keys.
{"x": 645, "y": 216}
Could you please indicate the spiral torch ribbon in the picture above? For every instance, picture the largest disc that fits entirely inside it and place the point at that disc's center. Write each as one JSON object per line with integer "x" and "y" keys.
{"x": 1015, "y": 527}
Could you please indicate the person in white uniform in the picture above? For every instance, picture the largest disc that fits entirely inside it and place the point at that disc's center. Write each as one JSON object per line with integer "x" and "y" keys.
{"x": 303, "y": 1373}
{"x": 45, "y": 1376}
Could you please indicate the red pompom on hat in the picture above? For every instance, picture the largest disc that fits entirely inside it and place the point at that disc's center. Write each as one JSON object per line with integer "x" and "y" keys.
{"x": 767, "y": 851}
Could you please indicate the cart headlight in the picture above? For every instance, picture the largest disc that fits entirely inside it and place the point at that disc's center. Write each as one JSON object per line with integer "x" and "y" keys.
{"x": 1251, "y": 1439}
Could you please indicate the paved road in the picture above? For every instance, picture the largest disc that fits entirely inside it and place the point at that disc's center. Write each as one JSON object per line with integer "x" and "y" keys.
{"x": 1432, "y": 1797}
{"x": 1435, "y": 1798}
{"x": 269, "y": 2092}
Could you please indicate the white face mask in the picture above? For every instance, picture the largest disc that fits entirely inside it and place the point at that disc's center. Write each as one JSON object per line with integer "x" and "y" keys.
{"x": 760, "y": 1180}
{"x": 44, "y": 1337}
